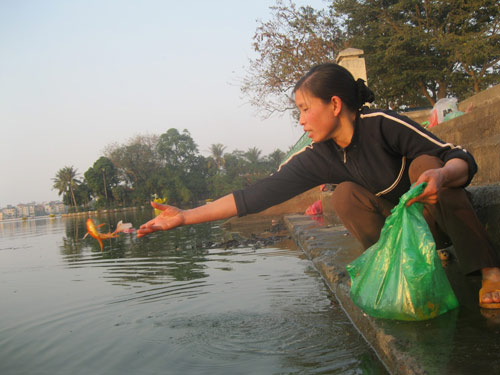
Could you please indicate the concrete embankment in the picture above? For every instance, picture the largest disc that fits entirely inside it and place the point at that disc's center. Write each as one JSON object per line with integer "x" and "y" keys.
{"x": 463, "y": 341}
{"x": 478, "y": 131}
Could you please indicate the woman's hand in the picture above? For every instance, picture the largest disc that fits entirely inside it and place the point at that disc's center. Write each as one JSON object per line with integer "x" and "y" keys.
{"x": 453, "y": 174}
{"x": 171, "y": 217}
{"x": 435, "y": 180}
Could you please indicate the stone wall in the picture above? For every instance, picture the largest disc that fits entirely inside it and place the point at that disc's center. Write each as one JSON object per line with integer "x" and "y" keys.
{"x": 479, "y": 133}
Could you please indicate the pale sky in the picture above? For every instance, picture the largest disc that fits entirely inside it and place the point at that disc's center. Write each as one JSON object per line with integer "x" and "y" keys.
{"x": 78, "y": 75}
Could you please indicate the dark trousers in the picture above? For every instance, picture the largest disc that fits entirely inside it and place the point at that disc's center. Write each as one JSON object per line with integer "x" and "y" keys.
{"x": 452, "y": 220}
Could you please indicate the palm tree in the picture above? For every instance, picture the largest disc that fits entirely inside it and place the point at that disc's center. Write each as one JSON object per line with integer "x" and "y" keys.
{"x": 254, "y": 164}
{"x": 217, "y": 153}
{"x": 275, "y": 158}
{"x": 253, "y": 156}
{"x": 65, "y": 182}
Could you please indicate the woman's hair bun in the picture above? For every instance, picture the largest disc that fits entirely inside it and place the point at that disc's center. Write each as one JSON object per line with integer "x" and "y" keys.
{"x": 363, "y": 93}
{"x": 329, "y": 79}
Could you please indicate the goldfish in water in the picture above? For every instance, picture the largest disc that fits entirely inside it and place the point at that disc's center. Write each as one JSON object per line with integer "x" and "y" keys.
{"x": 93, "y": 232}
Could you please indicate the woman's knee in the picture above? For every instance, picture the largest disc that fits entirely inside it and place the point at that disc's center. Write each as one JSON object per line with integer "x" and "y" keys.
{"x": 344, "y": 190}
{"x": 421, "y": 164}
{"x": 344, "y": 196}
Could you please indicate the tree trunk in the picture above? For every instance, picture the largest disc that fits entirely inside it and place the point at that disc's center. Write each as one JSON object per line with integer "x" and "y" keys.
{"x": 442, "y": 90}
{"x": 73, "y": 196}
{"x": 426, "y": 93}
{"x": 105, "y": 190}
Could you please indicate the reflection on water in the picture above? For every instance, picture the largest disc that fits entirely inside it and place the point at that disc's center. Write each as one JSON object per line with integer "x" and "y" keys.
{"x": 170, "y": 303}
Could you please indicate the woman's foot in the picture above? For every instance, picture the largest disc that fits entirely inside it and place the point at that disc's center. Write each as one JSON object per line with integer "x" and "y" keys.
{"x": 492, "y": 316}
{"x": 489, "y": 295}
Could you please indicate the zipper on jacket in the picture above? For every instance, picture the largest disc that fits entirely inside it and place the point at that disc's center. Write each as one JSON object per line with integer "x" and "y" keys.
{"x": 345, "y": 156}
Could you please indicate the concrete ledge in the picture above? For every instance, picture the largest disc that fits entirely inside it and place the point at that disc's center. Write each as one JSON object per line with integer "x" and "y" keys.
{"x": 462, "y": 341}
{"x": 486, "y": 202}
{"x": 485, "y": 97}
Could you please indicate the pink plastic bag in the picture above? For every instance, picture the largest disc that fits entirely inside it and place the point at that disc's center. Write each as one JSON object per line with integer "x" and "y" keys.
{"x": 315, "y": 208}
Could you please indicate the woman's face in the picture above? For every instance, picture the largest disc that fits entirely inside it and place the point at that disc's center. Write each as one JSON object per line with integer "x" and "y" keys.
{"x": 317, "y": 117}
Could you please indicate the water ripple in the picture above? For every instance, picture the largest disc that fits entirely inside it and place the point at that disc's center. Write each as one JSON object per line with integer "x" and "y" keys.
{"x": 185, "y": 290}
{"x": 236, "y": 335}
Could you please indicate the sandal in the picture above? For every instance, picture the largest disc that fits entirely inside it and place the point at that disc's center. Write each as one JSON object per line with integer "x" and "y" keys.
{"x": 489, "y": 286}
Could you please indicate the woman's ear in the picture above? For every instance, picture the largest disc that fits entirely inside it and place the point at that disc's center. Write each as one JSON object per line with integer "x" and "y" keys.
{"x": 336, "y": 103}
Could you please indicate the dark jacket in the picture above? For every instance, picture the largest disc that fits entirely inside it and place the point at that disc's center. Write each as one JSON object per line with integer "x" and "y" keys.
{"x": 378, "y": 157}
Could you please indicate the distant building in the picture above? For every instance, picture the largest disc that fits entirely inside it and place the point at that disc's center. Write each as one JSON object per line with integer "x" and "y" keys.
{"x": 39, "y": 210}
{"x": 23, "y": 210}
{"x": 55, "y": 208}
{"x": 9, "y": 212}
{"x": 49, "y": 209}
{"x": 32, "y": 209}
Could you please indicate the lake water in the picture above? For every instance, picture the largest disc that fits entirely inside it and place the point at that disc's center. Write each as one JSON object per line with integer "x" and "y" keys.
{"x": 175, "y": 302}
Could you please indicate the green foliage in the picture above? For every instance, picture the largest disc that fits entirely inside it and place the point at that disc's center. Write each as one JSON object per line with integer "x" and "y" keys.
{"x": 274, "y": 159}
{"x": 185, "y": 170}
{"x": 136, "y": 161}
{"x": 216, "y": 158}
{"x": 83, "y": 194}
{"x": 294, "y": 39}
{"x": 121, "y": 195}
{"x": 420, "y": 51}
{"x": 176, "y": 149}
{"x": 416, "y": 51}
{"x": 167, "y": 166}
{"x": 101, "y": 178}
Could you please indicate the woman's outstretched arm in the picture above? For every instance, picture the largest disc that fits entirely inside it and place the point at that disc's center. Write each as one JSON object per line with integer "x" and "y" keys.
{"x": 172, "y": 217}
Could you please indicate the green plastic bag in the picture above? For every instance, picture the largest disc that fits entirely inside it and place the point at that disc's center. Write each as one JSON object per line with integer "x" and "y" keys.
{"x": 401, "y": 277}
